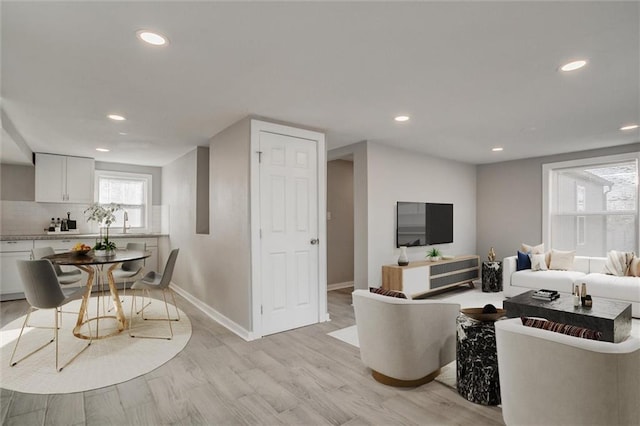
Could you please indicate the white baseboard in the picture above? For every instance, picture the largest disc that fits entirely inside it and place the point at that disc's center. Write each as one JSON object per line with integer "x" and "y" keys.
{"x": 215, "y": 315}
{"x": 336, "y": 286}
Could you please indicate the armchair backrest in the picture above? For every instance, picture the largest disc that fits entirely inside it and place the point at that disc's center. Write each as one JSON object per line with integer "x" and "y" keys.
{"x": 404, "y": 338}
{"x": 552, "y": 378}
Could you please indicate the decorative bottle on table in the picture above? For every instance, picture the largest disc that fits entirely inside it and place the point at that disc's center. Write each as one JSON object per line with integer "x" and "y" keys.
{"x": 402, "y": 259}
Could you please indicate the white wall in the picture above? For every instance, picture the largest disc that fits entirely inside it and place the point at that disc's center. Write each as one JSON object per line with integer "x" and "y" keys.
{"x": 189, "y": 273}
{"x": 398, "y": 175}
{"x": 383, "y": 176}
{"x": 214, "y": 268}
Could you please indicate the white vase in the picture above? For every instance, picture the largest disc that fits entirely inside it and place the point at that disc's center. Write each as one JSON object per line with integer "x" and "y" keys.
{"x": 402, "y": 259}
{"x": 104, "y": 253}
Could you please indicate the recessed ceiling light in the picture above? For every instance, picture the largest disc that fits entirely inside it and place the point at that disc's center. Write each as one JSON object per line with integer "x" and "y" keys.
{"x": 102, "y": 149}
{"x": 123, "y": 133}
{"x": 116, "y": 117}
{"x": 629, "y": 127}
{"x": 402, "y": 118}
{"x": 572, "y": 66}
{"x": 497, "y": 149}
{"x": 152, "y": 38}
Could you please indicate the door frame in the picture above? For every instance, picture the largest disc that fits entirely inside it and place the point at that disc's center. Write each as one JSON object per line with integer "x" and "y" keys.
{"x": 258, "y": 126}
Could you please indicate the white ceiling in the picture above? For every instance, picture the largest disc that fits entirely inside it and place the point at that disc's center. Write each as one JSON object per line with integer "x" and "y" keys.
{"x": 472, "y": 75}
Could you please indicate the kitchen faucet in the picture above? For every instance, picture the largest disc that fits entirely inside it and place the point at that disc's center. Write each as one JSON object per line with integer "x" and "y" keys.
{"x": 124, "y": 225}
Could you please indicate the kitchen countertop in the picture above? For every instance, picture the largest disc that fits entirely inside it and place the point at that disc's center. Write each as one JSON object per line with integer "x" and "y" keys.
{"x": 64, "y": 236}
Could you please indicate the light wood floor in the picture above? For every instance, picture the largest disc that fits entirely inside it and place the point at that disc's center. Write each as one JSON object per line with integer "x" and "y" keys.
{"x": 299, "y": 377}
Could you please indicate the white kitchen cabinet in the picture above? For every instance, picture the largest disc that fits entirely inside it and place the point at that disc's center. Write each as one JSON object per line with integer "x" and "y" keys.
{"x": 62, "y": 179}
{"x": 10, "y": 282}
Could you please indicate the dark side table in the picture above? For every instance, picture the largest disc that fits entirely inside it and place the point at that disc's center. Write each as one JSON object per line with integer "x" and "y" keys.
{"x": 492, "y": 276}
{"x": 477, "y": 361}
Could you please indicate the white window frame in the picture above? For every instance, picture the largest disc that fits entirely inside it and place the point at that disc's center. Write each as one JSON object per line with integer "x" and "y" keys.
{"x": 147, "y": 178}
{"x": 547, "y": 170}
{"x": 581, "y": 230}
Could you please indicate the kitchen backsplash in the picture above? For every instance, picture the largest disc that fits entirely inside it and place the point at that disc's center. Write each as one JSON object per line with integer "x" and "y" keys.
{"x": 31, "y": 218}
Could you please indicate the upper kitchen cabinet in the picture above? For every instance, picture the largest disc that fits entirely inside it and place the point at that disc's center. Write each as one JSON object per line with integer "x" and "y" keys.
{"x": 61, "y": 179}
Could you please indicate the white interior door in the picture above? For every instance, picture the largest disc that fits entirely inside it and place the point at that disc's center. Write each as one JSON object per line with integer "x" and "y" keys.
{"x": 289, "y": 232}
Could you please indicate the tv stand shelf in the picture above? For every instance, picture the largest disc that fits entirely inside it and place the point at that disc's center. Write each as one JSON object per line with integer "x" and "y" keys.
{"x": 424, "y": 277}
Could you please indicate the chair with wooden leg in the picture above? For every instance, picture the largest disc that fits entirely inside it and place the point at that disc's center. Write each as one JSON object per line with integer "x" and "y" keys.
{"x": 154, "y": 281}
{"x": 42, "y": 291}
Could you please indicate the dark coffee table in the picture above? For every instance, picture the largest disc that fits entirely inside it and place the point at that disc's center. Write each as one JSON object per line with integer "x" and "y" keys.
{"x": 611, "y": 318}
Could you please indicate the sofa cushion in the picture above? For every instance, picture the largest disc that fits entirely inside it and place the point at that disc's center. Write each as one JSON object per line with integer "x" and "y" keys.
{"x": 523, "y": 261}
{"x": 557, "y": 327}
{"x": 390, "y": 293}
{"x": 526, "y": 248}
{"x": 611, "y": 287}
{"x": 617, "y": 263}
{"x": 538, "y": 262}
{"x": 634, "y": 267}
{"x": 562, "y": 260}
{"x": 552, "y": 280}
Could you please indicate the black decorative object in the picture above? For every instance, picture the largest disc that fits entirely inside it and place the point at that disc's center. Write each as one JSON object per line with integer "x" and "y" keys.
{"x": 477, "y": 361}
{"x": 489, "y": 309}
{"x": 492, "y": 276}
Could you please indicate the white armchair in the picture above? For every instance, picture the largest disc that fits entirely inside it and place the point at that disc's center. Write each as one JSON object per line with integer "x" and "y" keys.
{"x": 405, "y": 342}
{"x": 548, "y": 378}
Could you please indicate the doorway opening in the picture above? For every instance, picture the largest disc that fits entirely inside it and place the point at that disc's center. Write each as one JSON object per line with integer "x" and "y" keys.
{"x": 340, "y": 224}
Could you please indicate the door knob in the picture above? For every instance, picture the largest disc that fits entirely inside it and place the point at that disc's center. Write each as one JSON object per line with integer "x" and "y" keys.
{"x": 314, "y": 241}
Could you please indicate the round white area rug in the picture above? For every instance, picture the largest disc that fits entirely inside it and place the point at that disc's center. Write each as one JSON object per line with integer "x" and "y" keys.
{"x": 105, "y": 362}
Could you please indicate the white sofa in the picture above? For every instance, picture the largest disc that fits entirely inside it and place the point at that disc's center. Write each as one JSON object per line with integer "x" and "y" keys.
{"x": 405, "y": 342}
{"x": 548, "y": 378}
{"x": 586, "y": 270}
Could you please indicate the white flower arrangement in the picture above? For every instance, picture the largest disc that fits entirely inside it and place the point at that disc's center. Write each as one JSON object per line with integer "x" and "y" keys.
{"x": 103, "y": 214}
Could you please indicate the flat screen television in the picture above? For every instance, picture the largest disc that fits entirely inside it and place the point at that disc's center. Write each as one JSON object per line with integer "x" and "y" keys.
{"x": 423, "y": 224}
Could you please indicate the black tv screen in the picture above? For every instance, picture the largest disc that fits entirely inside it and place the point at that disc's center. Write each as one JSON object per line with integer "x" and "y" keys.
{"x": 439, "y": 223}
{"x": 411, "y": 224}
{"x": 422, "y": 224}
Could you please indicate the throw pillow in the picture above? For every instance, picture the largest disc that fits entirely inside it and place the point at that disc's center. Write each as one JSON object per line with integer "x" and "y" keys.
{"x": 526, "y": 248}
{"x": 538, "y": 262}
{"x": 634, "y": 267}
{"x": 571, "y": 330}
{"x": 390, "y": 293}
{"x": 617, "y": 263}
{"x": 523, "y": 261}
{"x": 561, "y": 260}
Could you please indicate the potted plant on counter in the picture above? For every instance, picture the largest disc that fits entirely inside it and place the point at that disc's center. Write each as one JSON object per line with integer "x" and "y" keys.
{"x": 434, "y": 254}
{"x": 103, "y": 215}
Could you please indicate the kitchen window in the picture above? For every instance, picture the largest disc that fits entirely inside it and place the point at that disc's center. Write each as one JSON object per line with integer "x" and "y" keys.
{"x": 132, "y": 191}
{"x": 591, "y": 205}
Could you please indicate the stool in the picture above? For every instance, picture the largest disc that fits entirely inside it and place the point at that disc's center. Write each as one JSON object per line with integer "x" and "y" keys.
{"x": 492, "y": 276}
{"x": 477, "y": 361}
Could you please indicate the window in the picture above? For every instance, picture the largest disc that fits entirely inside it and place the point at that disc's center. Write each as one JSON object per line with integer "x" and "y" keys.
{"x": 132, "y": 191}
{"x": 591, "y": 205}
